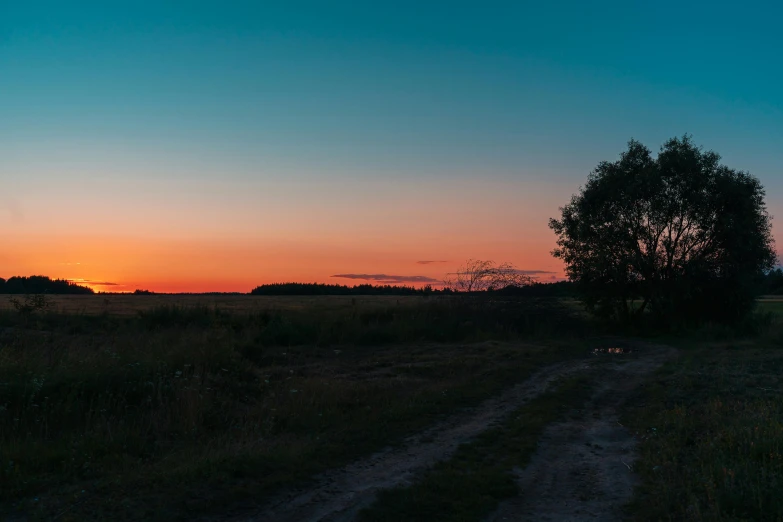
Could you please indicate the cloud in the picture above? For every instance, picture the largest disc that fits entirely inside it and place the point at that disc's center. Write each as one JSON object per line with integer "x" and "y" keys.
{"x": 385, "y": 278}
{"x": 429, "y": 262}
{"x": 93, "y": 283}
{"x": 531, "y": 273}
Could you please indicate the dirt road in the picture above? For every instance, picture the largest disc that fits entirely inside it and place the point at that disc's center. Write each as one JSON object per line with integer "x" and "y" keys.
{"x": 582, "y": 469}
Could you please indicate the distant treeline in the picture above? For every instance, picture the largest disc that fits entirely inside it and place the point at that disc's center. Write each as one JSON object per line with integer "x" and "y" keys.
{"x": 40, "y": 285}
{"x": 560, "y": 289}
{"x": 327, "y": 289}
{"x": 772, "y": 283}
{"x": 150, "y": 292}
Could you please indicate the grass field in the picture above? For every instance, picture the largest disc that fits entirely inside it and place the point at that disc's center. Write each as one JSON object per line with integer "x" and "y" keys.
{"x": 175, "y": 410}
{"x": 711, "y": 431}
{"x": 163, "y": 407}
{"x": 128, "y": 304}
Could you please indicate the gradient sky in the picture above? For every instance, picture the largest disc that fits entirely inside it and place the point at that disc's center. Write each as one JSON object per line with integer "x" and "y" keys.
{"x": 200, "y": 146}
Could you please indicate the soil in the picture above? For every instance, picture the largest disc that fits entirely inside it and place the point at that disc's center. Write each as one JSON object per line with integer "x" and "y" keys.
{"x": 583, "y": 467}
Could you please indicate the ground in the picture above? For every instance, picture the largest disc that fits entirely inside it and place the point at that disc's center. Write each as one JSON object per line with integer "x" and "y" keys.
{"x": 250, "y": 408}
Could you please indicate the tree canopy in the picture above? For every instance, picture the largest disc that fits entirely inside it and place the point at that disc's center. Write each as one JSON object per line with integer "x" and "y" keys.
{"x": 680, "y": 235}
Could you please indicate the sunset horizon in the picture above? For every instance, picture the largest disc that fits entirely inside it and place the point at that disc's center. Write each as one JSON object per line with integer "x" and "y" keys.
{"x": 219, "y": 148}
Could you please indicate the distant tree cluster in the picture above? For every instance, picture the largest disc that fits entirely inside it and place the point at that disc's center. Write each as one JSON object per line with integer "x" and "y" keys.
{"x": 533, "y": 289}
{"x": 327, "y": 289}
{"x": 772, "y": 283}
{"x": 41, "y": 285}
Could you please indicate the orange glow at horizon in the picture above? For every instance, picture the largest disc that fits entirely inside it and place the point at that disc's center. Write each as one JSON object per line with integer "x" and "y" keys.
{"x": 123, "y": 265}
{"x": 212, "y": 238}
{"x": 207, "y": 237}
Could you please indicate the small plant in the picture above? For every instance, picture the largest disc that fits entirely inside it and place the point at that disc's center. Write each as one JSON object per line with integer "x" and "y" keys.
{"x": 31, "y": 304}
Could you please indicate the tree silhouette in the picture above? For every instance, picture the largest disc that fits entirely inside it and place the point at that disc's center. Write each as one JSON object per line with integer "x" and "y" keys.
{"x": 684, "y": 235}
{"x": 481, "y": 276}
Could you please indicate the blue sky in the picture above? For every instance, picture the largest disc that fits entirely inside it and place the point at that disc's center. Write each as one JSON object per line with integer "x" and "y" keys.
{"x": 398, "y": 86}
{"x": 245, "y": 96}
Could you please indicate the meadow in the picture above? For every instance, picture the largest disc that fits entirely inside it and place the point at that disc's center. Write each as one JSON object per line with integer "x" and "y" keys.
{"x": 131, "y": 305}
{"x": 152, "y": 407}
{"x": 171, "y": 407}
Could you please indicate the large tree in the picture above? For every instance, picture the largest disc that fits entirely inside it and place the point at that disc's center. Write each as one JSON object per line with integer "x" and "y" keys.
{"x": 680, "y": 235}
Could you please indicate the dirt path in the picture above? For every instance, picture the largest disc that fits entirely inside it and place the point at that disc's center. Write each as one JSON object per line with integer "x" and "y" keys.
{"x": 340, "y": 494}
{"x": 567, "y": 478}
{"x": 582, "y": 469}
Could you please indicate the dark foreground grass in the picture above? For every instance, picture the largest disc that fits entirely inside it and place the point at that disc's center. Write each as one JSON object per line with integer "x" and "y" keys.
{"x": 181, "y": 411}
{"x": 474, "y": 481}
{"x": 711, "y": 434}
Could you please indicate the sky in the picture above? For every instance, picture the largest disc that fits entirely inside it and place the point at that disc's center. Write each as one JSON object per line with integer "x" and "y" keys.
{"x": 214, "y": 146}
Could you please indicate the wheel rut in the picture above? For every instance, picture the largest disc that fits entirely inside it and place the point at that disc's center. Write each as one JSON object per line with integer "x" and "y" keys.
{"x": 583, "y": 467}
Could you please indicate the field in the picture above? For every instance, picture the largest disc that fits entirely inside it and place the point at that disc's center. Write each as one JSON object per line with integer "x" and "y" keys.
{"x": 130, "y": 305}
{"x": 123, "y": 407}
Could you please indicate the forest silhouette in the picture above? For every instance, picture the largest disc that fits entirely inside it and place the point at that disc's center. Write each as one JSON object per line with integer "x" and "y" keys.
{"x": 38, "y": 284}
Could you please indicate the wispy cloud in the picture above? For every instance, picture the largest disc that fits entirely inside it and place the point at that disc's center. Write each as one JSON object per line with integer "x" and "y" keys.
{"x": 531, "y": 273}
{"x": 388, "y": 279}
{"x": 93, "y": 283}
{"x": 429, "y": 262}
